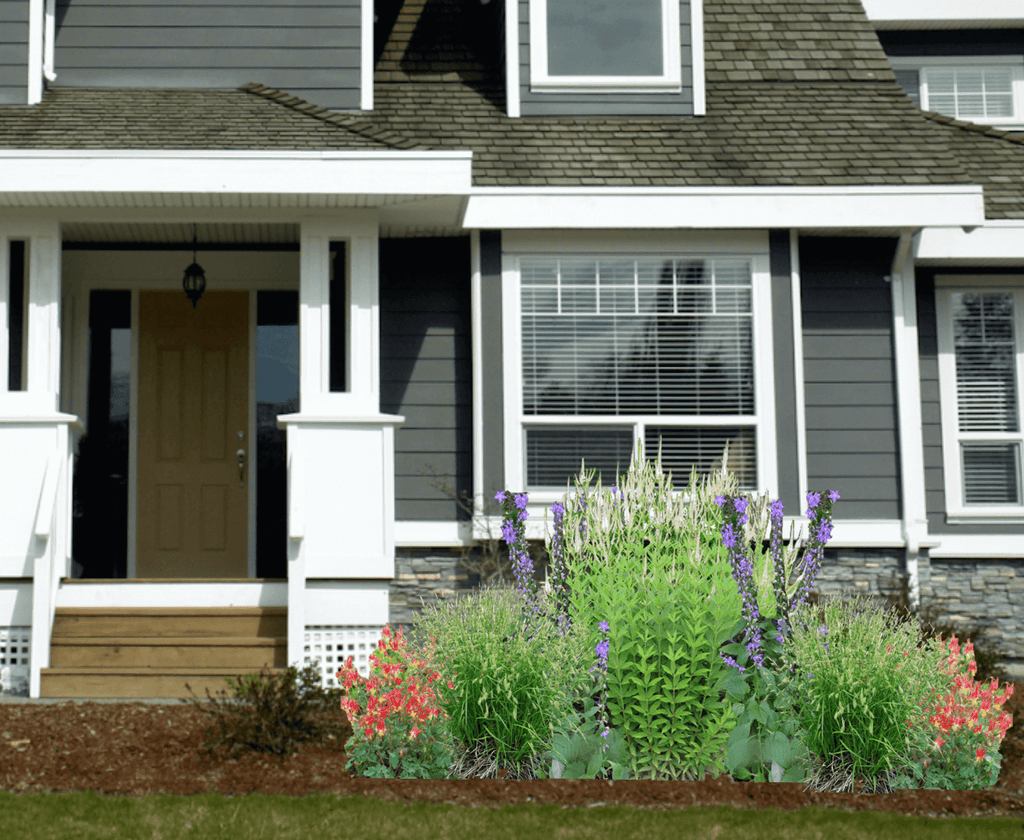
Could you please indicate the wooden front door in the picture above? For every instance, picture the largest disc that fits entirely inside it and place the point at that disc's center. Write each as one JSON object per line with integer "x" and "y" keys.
{"x": 192, "y": 499}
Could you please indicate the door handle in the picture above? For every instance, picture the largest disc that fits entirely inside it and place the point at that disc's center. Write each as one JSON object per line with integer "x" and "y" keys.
{"x": 240, "y": 454}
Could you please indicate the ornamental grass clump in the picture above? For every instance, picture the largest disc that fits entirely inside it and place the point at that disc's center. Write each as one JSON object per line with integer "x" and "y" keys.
{"x": 510, "y": 686}
{"x": 861, "y": 676}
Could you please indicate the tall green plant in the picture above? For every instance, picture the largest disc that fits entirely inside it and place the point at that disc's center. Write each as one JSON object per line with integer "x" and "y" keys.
{"x": 630, "y": 554}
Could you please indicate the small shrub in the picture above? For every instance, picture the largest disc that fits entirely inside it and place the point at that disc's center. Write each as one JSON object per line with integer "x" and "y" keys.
{"x": 269, "y": 714}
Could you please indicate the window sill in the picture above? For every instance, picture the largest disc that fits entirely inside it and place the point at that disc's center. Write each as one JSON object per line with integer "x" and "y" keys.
{"x": 574, "y": 87}
{"x": 1016, "y": 518}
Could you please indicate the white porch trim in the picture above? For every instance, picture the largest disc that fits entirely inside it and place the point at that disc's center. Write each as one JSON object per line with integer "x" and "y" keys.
{"x": 992, "y": 243}
{"x": 944, "y": 14}
{"x": 723, "y": 208}
{"x": 61, "y": 177}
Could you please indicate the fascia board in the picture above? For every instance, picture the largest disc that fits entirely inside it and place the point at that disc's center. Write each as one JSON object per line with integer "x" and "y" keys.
{"x": 945, "y": 13}
{"x": 245, "y": 172}
{"x": 995, "y": 240}
{"x": 725, "y": 207}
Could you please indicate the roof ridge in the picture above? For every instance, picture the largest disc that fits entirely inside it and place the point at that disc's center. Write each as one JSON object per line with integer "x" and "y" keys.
{"x": 988, "y": 131}
{"x": 355, "y": 123}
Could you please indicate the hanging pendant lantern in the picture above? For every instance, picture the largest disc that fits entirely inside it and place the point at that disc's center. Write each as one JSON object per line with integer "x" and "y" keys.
{"x": 194, "y": 282}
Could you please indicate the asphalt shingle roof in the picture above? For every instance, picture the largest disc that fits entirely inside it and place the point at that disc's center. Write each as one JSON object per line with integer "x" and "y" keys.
{"x": 994, "y": 159}
{"x": 799, "y": 92}
{"x": 133, "y": 118}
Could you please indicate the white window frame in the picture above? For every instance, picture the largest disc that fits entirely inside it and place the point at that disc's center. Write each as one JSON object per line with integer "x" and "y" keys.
{"x": 1015, "y": 62}
{"x": 763, "y": 419}
{"x": 957, "y": 512}
{"x": 670, "y": 80}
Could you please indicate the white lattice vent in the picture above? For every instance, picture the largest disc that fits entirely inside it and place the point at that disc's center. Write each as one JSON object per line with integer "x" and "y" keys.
{"x": 333, "y": 645}
{"x": 14, "y": 648}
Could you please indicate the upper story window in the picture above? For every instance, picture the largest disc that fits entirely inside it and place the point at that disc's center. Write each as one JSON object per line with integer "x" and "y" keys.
{"x": 984, "y": 89}
{"x": 980, "y": 358}
{"x": 604, "y": 45}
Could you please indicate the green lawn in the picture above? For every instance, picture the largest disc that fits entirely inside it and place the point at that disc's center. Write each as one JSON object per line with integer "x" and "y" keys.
{"x": 84, "y": 816}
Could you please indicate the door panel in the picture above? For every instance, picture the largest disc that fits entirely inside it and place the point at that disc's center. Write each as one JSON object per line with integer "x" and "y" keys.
{"x": 193, "y": 402}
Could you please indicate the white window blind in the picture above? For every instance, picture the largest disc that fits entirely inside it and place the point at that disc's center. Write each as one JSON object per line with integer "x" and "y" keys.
{"x": 665, "y": 344}
{"x": 987, "y": 397}
{"x": 971, "y": 92}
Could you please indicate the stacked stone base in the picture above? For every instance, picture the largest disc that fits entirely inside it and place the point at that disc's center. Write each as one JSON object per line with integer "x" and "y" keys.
{"x": 987, "y": 594}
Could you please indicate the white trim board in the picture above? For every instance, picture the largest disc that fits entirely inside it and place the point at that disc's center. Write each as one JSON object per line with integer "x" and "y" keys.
{"x": 992, "y": 243}
{"x": 197, "y": 593}
{"x": 974, "y": 547}
{"x": 726, "y": 208}
{"x": 240, "y": 173}
{"x": 944, "y": 14}
{"x": 846, "y": 533}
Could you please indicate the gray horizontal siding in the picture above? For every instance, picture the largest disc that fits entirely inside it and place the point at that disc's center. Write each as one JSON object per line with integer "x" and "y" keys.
{"x": 310, "y": 48}
{"x": 931, "y": 414}
{"x": 611, "y": 104}
{"x": 426, "y": 364}
{"x": 846, "y": 309}
{"x": 14, "y": 52}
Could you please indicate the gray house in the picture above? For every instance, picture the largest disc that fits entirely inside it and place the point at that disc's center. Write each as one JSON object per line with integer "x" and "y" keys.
{"x": 272, "y": 272}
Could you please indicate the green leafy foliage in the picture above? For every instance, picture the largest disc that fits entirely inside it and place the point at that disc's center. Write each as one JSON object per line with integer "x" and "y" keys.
{"x": 580, "y": 751}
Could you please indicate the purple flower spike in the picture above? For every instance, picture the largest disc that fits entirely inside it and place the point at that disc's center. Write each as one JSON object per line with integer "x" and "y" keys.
{"x": 776, "y": 508}
{"x": 813, "y": 499}
{"x": 521, "y": 500}
{"x": 728, "y": 538}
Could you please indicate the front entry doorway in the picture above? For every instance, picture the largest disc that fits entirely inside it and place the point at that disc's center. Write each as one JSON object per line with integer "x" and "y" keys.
{"x": 194, "y": 456}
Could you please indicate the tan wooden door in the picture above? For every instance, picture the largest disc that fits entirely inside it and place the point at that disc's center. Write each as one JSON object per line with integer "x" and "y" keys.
{"x": 192, "y": 497}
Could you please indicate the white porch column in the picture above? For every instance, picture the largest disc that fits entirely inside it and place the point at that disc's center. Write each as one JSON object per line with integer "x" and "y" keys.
{"x": 341, "y": 555}
{"x": 35, "y": 446}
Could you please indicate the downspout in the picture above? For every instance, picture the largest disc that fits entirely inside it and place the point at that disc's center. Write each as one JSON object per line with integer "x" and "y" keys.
{"x": 908, "y": 400}
{"x": 35, "y": 52}
{"x": 49, "y": 30}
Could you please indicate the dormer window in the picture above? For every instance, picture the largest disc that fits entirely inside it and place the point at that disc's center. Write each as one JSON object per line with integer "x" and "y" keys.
{"x": 983, "y": 89}
{"x": 604, "y": 45}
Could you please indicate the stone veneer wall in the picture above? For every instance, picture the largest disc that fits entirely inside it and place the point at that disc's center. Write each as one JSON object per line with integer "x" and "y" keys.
{"x": 988, "y": 594}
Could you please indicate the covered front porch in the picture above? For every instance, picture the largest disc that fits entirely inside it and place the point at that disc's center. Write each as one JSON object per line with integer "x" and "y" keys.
{"x": 167, "y": 465}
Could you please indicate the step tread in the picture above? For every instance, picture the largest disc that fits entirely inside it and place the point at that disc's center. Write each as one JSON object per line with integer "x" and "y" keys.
{"x": 169, "y": 641}
{"x": 149, "y": 670}
{"x": 169, "y": 611}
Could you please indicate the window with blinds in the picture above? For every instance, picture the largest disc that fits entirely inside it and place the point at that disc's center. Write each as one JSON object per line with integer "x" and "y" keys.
{"x": 987, "y": 89}
{"x": 987, "y": 394}
{"x": 970, "y": 92}
{"x": 661, "y": 345}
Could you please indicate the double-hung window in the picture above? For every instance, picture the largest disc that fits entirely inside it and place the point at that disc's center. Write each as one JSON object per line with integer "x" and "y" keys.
{"x": 604, "y": 45}
{"x": 617, "y": 350}
{"x": 981, "y": 353}
{"x": 984, "y": 89}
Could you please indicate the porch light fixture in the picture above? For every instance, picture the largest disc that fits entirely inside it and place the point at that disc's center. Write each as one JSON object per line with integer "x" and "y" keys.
{"x": 194, "y": 282}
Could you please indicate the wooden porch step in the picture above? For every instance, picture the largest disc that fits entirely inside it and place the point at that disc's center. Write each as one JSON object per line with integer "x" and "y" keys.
{"x": 171, "y": 621}
{"x": 140, "y": 682}
{"x": 171, "y": 651}
{"x": 154, "y": 651}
